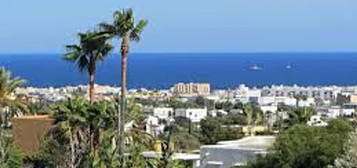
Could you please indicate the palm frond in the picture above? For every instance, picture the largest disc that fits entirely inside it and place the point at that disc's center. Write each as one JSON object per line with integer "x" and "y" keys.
{"x": 8, "y": 84}
{"x": 83, "y": 63}
{"x": 73, "y": 52}
{"x": 93, "y": 46}
{"x": 138, "y": 29}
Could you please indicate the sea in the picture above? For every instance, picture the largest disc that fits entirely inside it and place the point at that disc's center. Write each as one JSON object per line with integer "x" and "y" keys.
{"x": 221, "y": 70}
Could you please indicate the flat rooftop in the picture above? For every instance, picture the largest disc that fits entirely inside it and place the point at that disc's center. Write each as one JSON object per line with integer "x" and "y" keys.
{"x": 175, "y": 156}
{"x": 247, "y": 143}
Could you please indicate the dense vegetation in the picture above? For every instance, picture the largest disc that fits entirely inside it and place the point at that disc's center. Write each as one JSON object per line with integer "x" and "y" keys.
{"x": 303, "y": 146}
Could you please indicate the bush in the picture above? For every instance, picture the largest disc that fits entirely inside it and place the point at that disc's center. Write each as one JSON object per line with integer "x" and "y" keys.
{"x": 303, "y": 146}
{"x": 10, "y": 155}
{"x": 212, "y": 131}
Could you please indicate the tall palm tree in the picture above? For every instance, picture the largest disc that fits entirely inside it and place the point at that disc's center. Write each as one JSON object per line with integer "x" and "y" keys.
{"x": 87, "y": 53}
{"x": 125, "y": 28}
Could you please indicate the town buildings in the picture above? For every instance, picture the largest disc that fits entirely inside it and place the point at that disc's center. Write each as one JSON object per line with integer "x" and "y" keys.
{"x": 329, "y": 101}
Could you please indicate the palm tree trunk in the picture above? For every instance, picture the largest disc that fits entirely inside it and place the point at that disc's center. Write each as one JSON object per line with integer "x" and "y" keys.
{"x": 122, "y": 110}
{"x": 91, "y": 87}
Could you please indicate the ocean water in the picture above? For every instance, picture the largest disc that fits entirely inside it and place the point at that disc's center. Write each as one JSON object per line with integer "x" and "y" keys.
{"x": 219, "y": 69}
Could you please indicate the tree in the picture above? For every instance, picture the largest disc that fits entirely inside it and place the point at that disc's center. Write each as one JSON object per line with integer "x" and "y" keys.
{"x": 303, "y": 146}
{"x": 124, "y": 28}
{"x": 298, "y": 98}
{"x": 349, "y": 158}
{"x": 100, "y": 117}
{"x": 10, "y": 104}
{"x": 300, "y": 115}
{"x": 227, "y": 106}
{"x": 249, "y": 113}
{"x": 10, "y": 155}
{"x": 87, "y": 53}
{"x": 183, "y": 122}
{"x": 72, "y": 123}
{"x": 253, "y": 114}
{"x": 200, "y": 101}
{"x": 166, "y": 160}
{"x": 81, "y": 123}
{"x": 212, "y": 131}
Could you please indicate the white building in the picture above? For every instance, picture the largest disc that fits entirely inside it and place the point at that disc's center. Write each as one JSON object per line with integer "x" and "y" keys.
{"x": 336, "y": 111}
{"x": 330, "y": 112}
{"x": 195, "y": 115}
{"x": 277, "y": 100}
{"x": 270, "y": 108}
{"x": 153, "y": 126}
{"x": 245, "y": 95}
{"x": 163, "y": 112}
{"x": 347, "y": 112}
{"x": 328, "y": 92}
{"x": 192, "y": 88}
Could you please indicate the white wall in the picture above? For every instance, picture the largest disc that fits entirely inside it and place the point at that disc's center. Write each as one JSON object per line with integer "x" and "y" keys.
{"x": 163, "y": 112}
{"x": 195, "y": 115}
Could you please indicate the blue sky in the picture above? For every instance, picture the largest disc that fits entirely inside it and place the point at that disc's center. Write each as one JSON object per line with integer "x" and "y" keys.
{"x": 43, "y": 26}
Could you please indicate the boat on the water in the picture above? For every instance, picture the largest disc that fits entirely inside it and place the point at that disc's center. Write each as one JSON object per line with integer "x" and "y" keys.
{"x": 255, "y": 67}
{"x": 289, "y": 66}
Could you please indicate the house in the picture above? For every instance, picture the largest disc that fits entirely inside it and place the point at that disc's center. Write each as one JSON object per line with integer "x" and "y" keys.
{"x": 194, "y": 114}
{"x": 163, "y": 112}
{"x": 153, "y": 126}
{"x": 269, "y": 108}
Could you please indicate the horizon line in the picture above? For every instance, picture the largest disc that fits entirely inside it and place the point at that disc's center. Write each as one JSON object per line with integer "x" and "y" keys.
{"x": 247, "y": 52}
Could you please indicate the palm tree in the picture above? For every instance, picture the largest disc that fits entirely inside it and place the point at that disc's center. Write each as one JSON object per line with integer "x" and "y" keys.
{"x": 72, "y": 119}
{"x": 10, "y": 104}
{"x": 248, "y": 112}
{"x": 101, "y": 117}
{"x": 298, "y": 98}
{"x": 125, "y": 28}
{"x": 86, "y": 55}
{"x": 301, "y": 115}
{"x": 254, "y": 116}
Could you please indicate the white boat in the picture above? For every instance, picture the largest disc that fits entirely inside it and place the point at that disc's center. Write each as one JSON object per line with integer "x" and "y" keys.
{"x": 255, "y": 68}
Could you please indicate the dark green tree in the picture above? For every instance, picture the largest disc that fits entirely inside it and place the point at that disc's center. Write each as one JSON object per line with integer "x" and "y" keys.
{"x": 87, "y": 53}
{"x": 212, "y": 130}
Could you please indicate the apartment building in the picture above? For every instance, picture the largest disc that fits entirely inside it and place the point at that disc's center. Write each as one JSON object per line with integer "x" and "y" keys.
{"x": 192, "y": 88}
